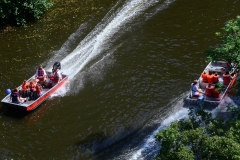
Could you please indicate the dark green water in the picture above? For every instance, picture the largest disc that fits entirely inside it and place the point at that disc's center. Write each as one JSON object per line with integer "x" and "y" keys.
{"x": 124, "y": 69}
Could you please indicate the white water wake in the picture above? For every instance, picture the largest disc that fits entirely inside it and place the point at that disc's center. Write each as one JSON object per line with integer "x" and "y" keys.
{"x": 99, "y": 40}
{"x": 150, "y": 148}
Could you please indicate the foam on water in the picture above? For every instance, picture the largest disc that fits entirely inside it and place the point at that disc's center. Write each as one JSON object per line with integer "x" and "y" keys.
{"x": 150, "y": 146}
{"x": 98, "y": 43}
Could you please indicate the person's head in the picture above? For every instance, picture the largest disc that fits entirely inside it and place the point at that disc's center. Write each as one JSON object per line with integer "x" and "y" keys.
{"x": 210, "y": 72}
{"x": 227, "y": 72}
{"x": 40, "y": 67}
{"x": 216, "y": 74}
{"x": 24, "y": 81}
{"x": 209, "y": 84}
{"x": 15, "y": 90}
{"x": 195, "y": 82}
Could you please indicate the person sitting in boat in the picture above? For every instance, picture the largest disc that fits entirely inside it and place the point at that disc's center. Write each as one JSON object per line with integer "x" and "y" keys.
{"x": 196, "y": 91}
{"x": 210, "y": 77}
{"x": 41, "y": 75}
{"x": 15, "y": 97}
{"x": 215, "y": 78}
{"x": 24, "y": 91}
{"x": 39, "y": 90}
{"x": 32, "y": 89}
{"x": 209, "y": 90}
{"x": 226, "y": 78}
{"x": 56, "y": 73}
{"x": 204, "y": 77}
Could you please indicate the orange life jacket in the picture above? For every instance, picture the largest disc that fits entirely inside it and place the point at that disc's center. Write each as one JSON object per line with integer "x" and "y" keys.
{"x": 209, "y": 90}
{"x": 204, "y": 77}
{"x": 226, "y": 79}
{"x": 25, "y": 86}
{"x": 38, "y": 89}
{"x": 215, "y": 78}
{"x": 210, "y": 78}
{"x": 216, "y": 94}
{"x": 32, "y": 87}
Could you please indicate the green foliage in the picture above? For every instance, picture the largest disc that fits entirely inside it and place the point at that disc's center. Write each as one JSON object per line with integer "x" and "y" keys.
{"x": 19, "y": 12}
{"x": 219, "y": 87}
{"x": 229, "y": 48}
{"x": 201, "y": 137}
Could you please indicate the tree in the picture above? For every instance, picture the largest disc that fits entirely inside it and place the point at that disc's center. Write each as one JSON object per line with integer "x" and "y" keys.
{"x": 19, "y": 12}
{"x": 229, "y": 47}
{"x": 201, "y": 137}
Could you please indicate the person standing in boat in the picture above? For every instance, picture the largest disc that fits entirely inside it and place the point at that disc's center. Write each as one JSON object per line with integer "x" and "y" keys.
{"x": 196, "y": 91}
{"x": 15, "y": 97}
{"x": 41, "y": 75}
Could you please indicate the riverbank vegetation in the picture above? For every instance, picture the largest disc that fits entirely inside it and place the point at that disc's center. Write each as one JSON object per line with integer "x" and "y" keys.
{"x": 201, "y": 136}
{"x": 19, "y": 13}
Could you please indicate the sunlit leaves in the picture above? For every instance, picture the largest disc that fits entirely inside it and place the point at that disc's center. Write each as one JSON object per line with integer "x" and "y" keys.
{"x": 228, "y": 49}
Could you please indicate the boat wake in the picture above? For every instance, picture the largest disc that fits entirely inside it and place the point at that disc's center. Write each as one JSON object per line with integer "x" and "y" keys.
{"x": 98, "y": 46}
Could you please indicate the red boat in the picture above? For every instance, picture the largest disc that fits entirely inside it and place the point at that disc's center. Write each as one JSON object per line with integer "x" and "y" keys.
{"x": 30, "y": 105}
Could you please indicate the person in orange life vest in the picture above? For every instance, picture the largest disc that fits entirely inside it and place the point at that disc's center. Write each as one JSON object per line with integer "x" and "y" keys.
{"x": 41, "y": 75}
{"x": 226, "y": 78}
{"x": 25, "y": 85}
{"x": 204, "y": 77}
{"x": 56, "y": 76}
{"x": 39, "y": 90}
{"x": 15, "y": 97}
{"x": 32, "y": 89}
{"x": 195, "y": 89}
{"x": 209, "y": 90}
{"x": 210, "y": 77}
{"x": 24, "y": 91}
{"x": 215, "y": 78}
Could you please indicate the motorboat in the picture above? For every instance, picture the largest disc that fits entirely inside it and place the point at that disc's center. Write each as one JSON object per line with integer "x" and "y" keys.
{"x": 219, "y": 67}
{"x": 31, "y": 104}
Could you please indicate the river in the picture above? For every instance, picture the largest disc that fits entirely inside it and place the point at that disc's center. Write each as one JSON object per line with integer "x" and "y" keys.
{"x": 130, "y": 64}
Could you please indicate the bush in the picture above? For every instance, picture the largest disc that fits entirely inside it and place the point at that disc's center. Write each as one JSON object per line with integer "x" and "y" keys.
{"x": 20, "y": 12}
{"x": 201, "y": 137}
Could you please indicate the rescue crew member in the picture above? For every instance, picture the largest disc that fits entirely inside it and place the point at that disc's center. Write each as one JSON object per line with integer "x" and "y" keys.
{"x": 195, "y": 89}
{"x": 15, "y": 98}
{"x": 41, "y": 75}
{"x": 226, "y": 78}
{"x": 210, "y": 77}
{"x": 215, "y": 78}
{"x": 209, "y": 90}
{"x": 204, "y": 77}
